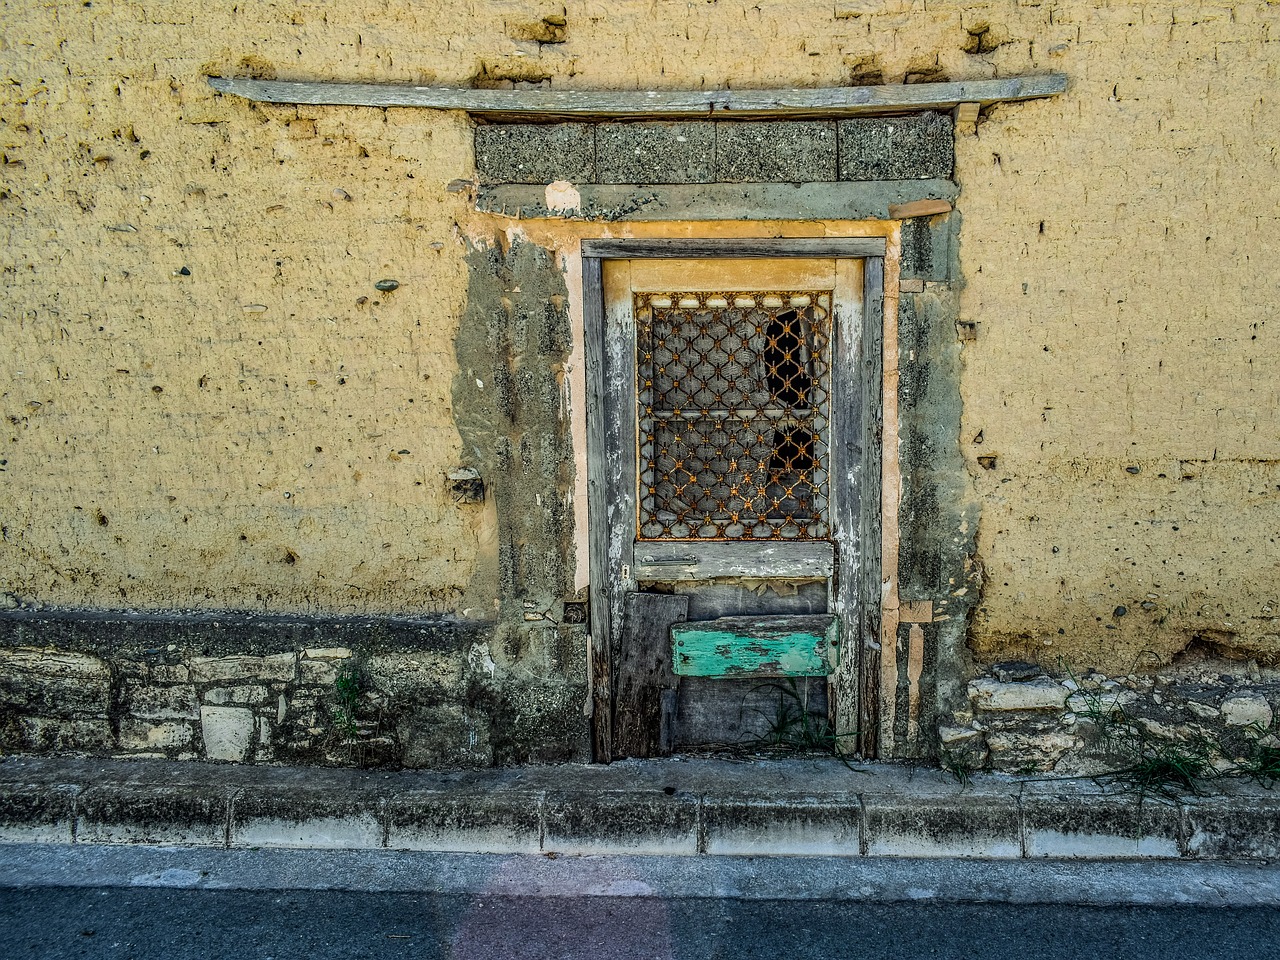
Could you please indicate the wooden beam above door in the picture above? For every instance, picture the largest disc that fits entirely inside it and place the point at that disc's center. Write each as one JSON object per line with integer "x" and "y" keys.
{"x": 548, "y": 105}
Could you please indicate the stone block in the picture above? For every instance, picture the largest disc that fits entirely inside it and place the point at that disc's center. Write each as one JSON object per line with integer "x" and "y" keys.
{"x": 189, "y": 814}
{"x": 465, "y": 822}
{"x": 624, "y": 822}
{"x": 929, "y": 815}
{"x": 785, "y": 151}
{"x": 416, "y": 674}
{"x": 927, "y": 248}
{"x": 1031, "y": 750}
{"x": 46, "y": 734}
{"x": 341, "y": 819}
{"x": 161, "y": 703}
{"x": 36, "y": 812}
{"x": 238, "y": 669}
{"x": 645, "y": 153}
{"x": 163, "y": 735}
{"x": 1245, "y": 711}
{"x": 227, "y": 732}
{"x": 914, "y": 147}
{"x": 317, "y": 673}
{"x": 1244, "y": 823}
{"x": 535, "y": 153}
{"x": 1085, "y": 824}
{"x": 54, "y": 682}
{"x": 254, "y": 694}
{"x": 801, "y": 826}
{"x": 1039, "y": 694}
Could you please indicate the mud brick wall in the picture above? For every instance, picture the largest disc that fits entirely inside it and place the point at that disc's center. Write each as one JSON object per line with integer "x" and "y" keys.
{"x": 214, "y": 398}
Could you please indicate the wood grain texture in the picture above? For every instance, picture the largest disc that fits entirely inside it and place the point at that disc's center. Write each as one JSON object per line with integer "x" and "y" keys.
{"x": 736, "y": 248}
{"x": 514, "y": 105}
{"x": 667, "y": 562}
{"x": 643, "y": 672}
{"x": 870, "y": 575}
{"x": 598, "y": 481}
{"x": 769, "y": 646}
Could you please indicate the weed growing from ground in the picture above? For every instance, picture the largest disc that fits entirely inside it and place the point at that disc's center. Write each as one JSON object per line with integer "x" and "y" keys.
{"x": 793, "y": 728}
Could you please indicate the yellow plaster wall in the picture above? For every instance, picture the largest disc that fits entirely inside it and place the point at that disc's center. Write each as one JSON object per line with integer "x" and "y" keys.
{"x": 121, "y": 167}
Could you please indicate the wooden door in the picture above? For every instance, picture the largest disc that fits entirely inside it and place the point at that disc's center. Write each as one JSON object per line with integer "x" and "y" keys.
{"x": 728, "y": 478}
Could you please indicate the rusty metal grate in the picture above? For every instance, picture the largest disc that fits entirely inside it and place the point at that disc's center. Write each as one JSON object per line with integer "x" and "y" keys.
{"x": 733, "y": 415}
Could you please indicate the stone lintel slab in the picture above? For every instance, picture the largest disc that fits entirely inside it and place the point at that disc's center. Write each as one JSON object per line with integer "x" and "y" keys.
{"x": 921, "y": 146}
{"x": 716, "y": 201}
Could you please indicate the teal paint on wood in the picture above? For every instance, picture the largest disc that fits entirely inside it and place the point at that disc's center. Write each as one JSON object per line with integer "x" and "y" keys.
{"x": 780, "y": 646}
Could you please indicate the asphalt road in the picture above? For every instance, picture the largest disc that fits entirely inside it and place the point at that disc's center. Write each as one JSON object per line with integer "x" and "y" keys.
{"x": 62, "y": 901}
{"x": 168, "y": 924}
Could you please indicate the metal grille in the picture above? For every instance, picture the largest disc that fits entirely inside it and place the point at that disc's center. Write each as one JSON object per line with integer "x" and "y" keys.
{"x": 733, "y": 415}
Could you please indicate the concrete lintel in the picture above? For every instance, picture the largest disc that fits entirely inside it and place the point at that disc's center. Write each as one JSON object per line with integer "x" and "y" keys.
{"x": 547, "y": 105}
{"x": 869, "y": 200}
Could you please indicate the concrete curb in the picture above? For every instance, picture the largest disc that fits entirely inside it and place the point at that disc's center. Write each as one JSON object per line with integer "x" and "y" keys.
{"x": 668, "y": 807}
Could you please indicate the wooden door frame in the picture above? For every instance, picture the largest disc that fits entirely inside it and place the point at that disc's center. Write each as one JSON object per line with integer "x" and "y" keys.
{"x": 855, "y": 519}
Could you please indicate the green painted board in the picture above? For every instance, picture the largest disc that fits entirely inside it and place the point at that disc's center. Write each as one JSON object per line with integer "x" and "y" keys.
{"x": 780, "y": 646}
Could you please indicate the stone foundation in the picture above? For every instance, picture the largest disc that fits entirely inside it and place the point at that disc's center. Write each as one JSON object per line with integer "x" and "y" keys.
{"x": 1021, "y": 719}
{"x": 316, "y": 691}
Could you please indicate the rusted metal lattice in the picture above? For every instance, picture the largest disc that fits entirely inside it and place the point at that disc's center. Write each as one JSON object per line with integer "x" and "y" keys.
{"x": 733, "y": 414}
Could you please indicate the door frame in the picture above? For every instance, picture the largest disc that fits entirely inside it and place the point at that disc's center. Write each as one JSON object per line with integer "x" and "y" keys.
{"x": 855, "y": 519}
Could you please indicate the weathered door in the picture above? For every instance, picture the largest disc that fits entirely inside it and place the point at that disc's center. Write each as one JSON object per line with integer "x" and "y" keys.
{"x": 729, "y": 478}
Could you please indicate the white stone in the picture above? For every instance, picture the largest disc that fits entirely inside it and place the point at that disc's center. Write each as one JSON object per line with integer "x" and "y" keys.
{"x": 950, "y": 735}
{"x": 1247, "y": 711}
{"x": 227, "y": 732}
{"x": 1039, "y": 694}
{"x": 278, "y": 666}
{"x": 167, "y": 735}
{"x": 253, "y": 693}
{"x": 1203, "y": 710}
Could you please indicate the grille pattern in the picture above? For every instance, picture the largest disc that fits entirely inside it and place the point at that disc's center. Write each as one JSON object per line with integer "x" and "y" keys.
{"x": 733, "y": 413}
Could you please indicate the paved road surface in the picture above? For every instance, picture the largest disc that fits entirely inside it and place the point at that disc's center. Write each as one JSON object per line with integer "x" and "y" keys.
{"x": 141, "y": 903}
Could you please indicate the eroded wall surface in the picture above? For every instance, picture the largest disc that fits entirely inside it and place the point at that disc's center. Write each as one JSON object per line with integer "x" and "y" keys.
{"x": 210, "y": 404}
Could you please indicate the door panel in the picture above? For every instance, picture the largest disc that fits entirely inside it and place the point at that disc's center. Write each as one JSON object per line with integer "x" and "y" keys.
{"x": 721, "y": 381}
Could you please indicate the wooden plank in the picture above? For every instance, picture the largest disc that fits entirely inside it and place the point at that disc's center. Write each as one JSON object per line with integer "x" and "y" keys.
{"x": 771, "y": 646}
{"x": 918, "y": 208}
{"x": 598, "y": 493}
{"x": 668, "y": 562}
{"x": 509, "y": 105}
{"x": 966, "y": 118}
{"x": 713, "y": 713}
{"x": 739, "y": 248}
{"x": 848, "y": 480}
{"x": 915, "y": 611}
{"x": 869, "y": 575}
{"x": 643, "y": 672}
